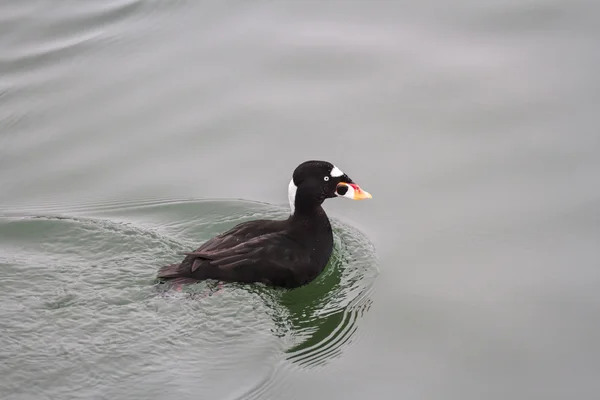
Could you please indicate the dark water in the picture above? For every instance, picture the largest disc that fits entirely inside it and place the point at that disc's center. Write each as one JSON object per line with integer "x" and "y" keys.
{"x": 131, "y": 131}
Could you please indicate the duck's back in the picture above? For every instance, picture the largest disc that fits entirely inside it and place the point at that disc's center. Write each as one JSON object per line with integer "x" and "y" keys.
{"x": 242, "y": 233}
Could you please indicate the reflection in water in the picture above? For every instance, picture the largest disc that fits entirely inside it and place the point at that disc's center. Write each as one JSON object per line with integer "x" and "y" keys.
{"x": 323, "y": 314}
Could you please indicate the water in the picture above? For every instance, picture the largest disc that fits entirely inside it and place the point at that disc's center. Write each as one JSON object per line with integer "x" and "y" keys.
{"x": 115, "y": 332}
{"x": 132, "y": 131}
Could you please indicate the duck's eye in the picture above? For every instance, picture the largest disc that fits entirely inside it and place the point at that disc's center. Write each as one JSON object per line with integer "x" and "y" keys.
{"x": 326, "y": 178}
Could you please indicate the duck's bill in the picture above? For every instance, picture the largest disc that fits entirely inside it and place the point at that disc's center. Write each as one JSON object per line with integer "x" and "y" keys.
{"x": 352, "y": 191}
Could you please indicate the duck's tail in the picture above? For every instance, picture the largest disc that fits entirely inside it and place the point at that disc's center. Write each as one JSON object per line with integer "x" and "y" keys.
{"x": 172, "y": 273}
{"x": 169, "y": 271}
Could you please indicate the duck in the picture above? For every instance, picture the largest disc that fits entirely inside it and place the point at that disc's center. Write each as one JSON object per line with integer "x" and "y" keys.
{"x": 286, "y": 253}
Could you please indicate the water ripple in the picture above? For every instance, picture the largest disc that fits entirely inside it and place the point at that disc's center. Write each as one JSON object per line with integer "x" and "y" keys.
{"x": 72, "y": 32}
{"x": 105, "y": 322}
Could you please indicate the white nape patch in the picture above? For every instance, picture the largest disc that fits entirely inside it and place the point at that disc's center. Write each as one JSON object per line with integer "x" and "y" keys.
{"x": 292, "y": 188}
{"x": 335, "y": 172}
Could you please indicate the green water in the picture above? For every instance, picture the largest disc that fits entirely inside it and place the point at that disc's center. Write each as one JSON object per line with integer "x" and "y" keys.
{"x": 132, "y": 131}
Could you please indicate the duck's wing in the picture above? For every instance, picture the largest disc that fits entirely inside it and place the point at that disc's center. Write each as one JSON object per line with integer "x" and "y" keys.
{"x": 226, "y": 240}
{"x": 239, "y": 234}
{"x": 253, "y": 251}
{"x": 270, "y": 258}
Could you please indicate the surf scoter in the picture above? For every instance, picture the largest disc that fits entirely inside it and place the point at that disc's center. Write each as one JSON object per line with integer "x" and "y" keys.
{"x": 286, "y": 253}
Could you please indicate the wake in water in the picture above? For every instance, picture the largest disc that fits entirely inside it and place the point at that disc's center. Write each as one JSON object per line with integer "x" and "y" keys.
{"x": 95, "y": 265}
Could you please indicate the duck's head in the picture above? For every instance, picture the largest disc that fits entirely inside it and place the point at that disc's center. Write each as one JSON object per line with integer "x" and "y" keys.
{"x": 315, "y": 181}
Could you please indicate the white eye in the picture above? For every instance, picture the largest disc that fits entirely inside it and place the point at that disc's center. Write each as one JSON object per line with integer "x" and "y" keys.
{"x": 326, "y": 178}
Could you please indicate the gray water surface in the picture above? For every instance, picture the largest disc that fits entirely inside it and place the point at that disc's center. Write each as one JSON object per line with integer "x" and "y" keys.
{"x": 131, "y": 131}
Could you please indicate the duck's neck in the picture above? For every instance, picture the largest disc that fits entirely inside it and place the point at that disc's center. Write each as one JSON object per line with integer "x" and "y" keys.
{"x": 303, "y": 203}
{"x": 310, "y": 217}
{"x": 309, "y": 222}
{"x": 310, "y": 226}
{"x": 306, "y": 213}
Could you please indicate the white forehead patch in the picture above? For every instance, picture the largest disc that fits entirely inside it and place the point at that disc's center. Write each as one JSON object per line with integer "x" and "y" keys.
{"x": 335, "y": 172}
